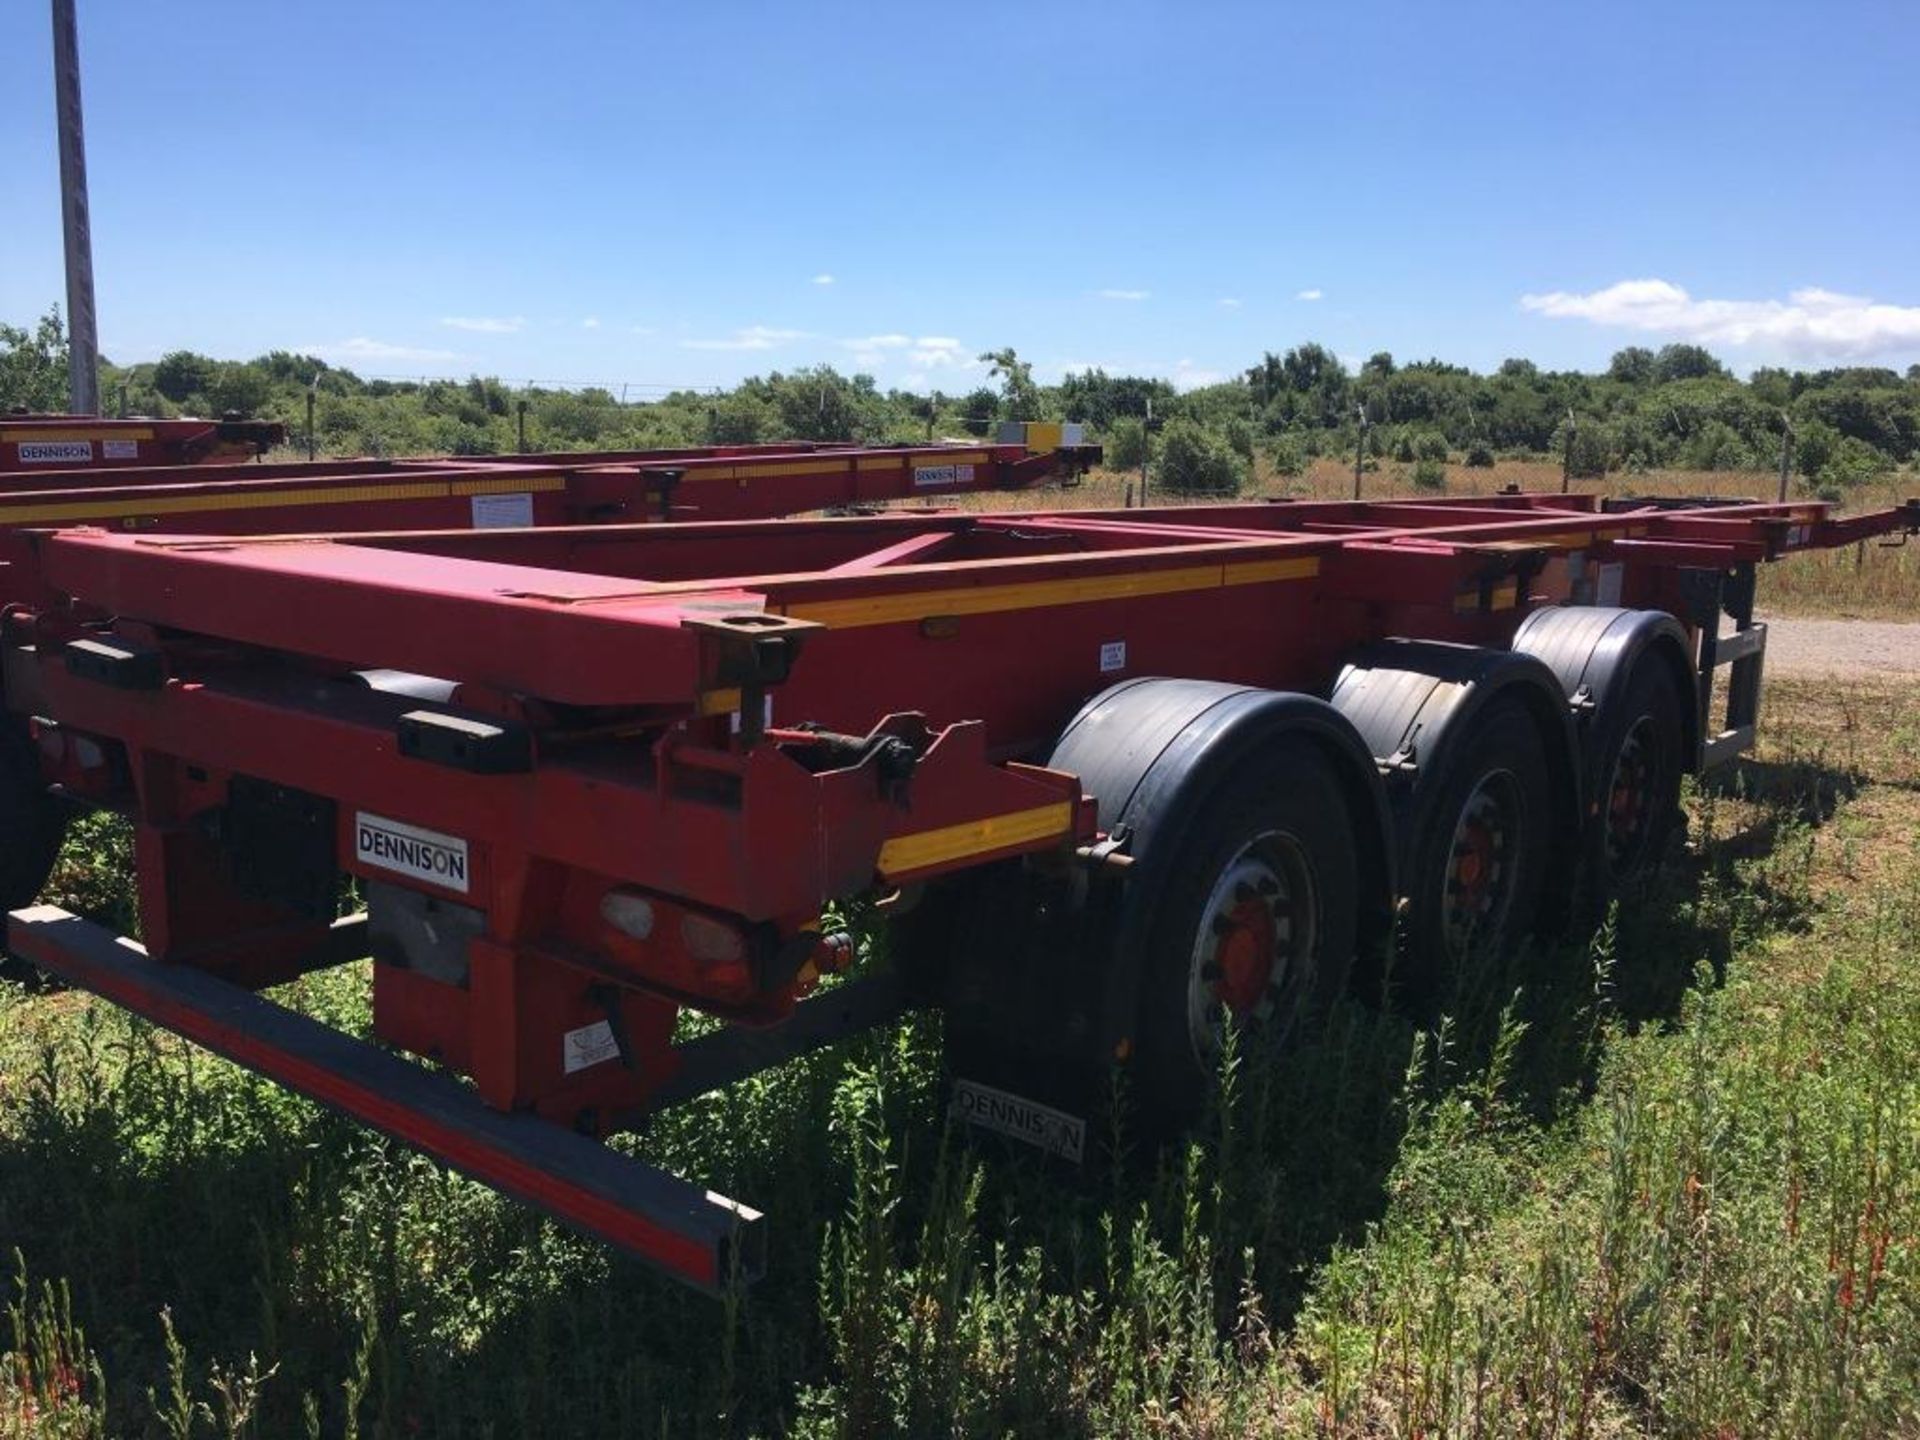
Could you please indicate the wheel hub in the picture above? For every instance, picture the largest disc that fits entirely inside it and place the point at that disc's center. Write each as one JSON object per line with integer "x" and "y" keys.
{"x": 1480, "y": 863}
{"x": 1628, "y": 800}
{"x": 1253, "y": 945}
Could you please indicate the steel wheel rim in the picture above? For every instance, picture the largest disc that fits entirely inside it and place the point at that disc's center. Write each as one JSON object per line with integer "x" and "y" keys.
{"x": 1253, "y": 954}
{"x": 1628, "y": 818}
{"x": 1477, "y": 888}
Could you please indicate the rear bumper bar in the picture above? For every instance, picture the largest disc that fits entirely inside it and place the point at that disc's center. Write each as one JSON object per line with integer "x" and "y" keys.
{"x": 699, "y": 1237}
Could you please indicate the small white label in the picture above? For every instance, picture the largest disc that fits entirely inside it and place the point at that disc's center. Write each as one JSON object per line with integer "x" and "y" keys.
{"x": 408, "y": 850}
{"x": 120, "y": 449}
{"x": 1606, "y": 588}
{"x": 1113, "y": 656}
{"x": 55, "y": 452}
{"x": 589, "y": 1045}
{"x": 942, "y": 475}
{"x": 498, "y": 512}
{"x": 1053, "y": 1131}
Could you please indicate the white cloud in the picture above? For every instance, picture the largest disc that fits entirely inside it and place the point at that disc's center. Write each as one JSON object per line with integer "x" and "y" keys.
{"x": 936, "y": 352}
{"x": 879, "y": 342}
{"x": 1309, "y": 294}
{"x": 360, "y": 348}
{"x": 592, "y": 322}
{"x": 486, "y": 324}
{"x": 1123, "y": 294}
{"x": 754, "y": 337}
{"x": 1811, "y": 323}
{"x": 643, "y": 330}
{"x": 822, "y": 279}
{"x": 1189, "y": 376}
{"x": 1228, "y": 302}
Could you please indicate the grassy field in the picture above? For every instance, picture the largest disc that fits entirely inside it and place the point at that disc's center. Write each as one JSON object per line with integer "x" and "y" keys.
{"x": 1666, "y": 1182}
{"x": 1869, "y": 582}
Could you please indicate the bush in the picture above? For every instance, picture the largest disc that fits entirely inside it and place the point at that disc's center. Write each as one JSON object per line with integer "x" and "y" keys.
{"x": 1480, "y": 455}
{"x": 181, "y": 373}
{"x": 1403, "y": 447}
{"x": 1287, "y": 456}
{"x": 1198, "y": 462}
{"x": 1431, "y": 445}
{"x": 1126, "y": 444}
{"x": 1239, "y": 437}
{"x": 1853, "y": 462}
{"x": 1429, "y": 475}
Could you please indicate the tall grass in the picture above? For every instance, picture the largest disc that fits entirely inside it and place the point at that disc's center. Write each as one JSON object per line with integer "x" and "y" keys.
{"x": 1664, "y": 1182}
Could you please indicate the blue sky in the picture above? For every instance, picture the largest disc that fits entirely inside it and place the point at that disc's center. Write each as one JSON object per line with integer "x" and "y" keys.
{"x": 676, "y": 194}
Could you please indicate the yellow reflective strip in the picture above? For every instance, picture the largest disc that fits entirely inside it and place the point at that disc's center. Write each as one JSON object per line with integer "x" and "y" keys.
{"x": 880, "y": 462}
{"x": 1506, "y": 595}
{"x": 906, "y": 853}
{"x": 191, "y": 504}
{"x": 791, "y": 467}
{"x": 990, "y": 599}
{"x": 719, "y": 702}
{"x": 22, "y": 434}
{"x": 509, "y": 485}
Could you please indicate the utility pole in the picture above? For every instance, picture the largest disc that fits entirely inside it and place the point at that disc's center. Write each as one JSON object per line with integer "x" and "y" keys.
{"x": 83, "y": 337}
{"x": 1566, "y": 456}
{"x": 1359, "y": 450}
{"x": 1786, "y": 453}
{"x": 313, "y": 390}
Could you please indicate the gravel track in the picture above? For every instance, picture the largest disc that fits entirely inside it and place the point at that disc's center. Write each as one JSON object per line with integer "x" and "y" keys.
{"x": 1851, "y": 649}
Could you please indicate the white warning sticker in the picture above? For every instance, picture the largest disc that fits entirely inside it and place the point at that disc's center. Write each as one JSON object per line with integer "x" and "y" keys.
{"x": 120, "y": 449}
{"x": 1113, "y": 656}
{"x": 1054, "y": 1131}
{"x": 55, "y": 452}
{"x": 942, "y": 475}
{"x": 589, "y": 1045}
{"x": 409, "y": 850}
{"x": 499, "y": 512}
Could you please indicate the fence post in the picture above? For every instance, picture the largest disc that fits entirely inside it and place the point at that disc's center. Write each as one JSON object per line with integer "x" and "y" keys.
{"x": 1360, "y": 450}
{"x": 1786, "y": 452}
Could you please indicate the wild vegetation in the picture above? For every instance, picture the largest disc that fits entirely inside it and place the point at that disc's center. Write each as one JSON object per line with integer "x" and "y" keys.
{"x": 1666, "y": 1181}
{"x": 1675, "y": 408}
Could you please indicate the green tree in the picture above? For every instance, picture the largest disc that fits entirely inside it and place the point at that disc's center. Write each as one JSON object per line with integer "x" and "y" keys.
{"x": 181, "y": 373}
{"x": 1126, "y": 443}
{"x": 1196, "y": 462}
{"x": 1631, "y": 366}
{"x": 244, "y": 388}
{"x": 33, "y": 366}
{"x": 1686, "y": 362}
{"x": 1021, "y": 395}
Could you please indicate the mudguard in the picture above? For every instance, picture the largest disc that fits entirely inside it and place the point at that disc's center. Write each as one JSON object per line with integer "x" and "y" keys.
{"x": 1592, "y": 651}
{"x": 1152, "y": 751}
{"x": 1407, "y": 698}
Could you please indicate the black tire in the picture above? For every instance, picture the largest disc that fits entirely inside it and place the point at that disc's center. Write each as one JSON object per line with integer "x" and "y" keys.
{"x": 1283, "y": 813}
{"x": 33, "y": 821}
{"x": 1480, "y": 855}
{"x": 1633, "y": 784}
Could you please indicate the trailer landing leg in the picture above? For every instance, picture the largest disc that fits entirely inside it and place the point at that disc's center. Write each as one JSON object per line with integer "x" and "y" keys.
{"x": 701, "y": 1238}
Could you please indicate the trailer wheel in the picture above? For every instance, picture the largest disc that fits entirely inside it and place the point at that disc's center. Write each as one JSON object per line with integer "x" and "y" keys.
{"x": 1256, "y": 928}
{"x": 32, "y": 821}
{"x": 1635, "y": 785}
{"x": 1478, "y": 867}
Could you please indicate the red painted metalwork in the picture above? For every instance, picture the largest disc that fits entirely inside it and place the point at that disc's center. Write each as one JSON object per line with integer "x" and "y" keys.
{"x": 656, "y": 753}
{"x": 42, "y": 444}
{"x": 722, "y": 482}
